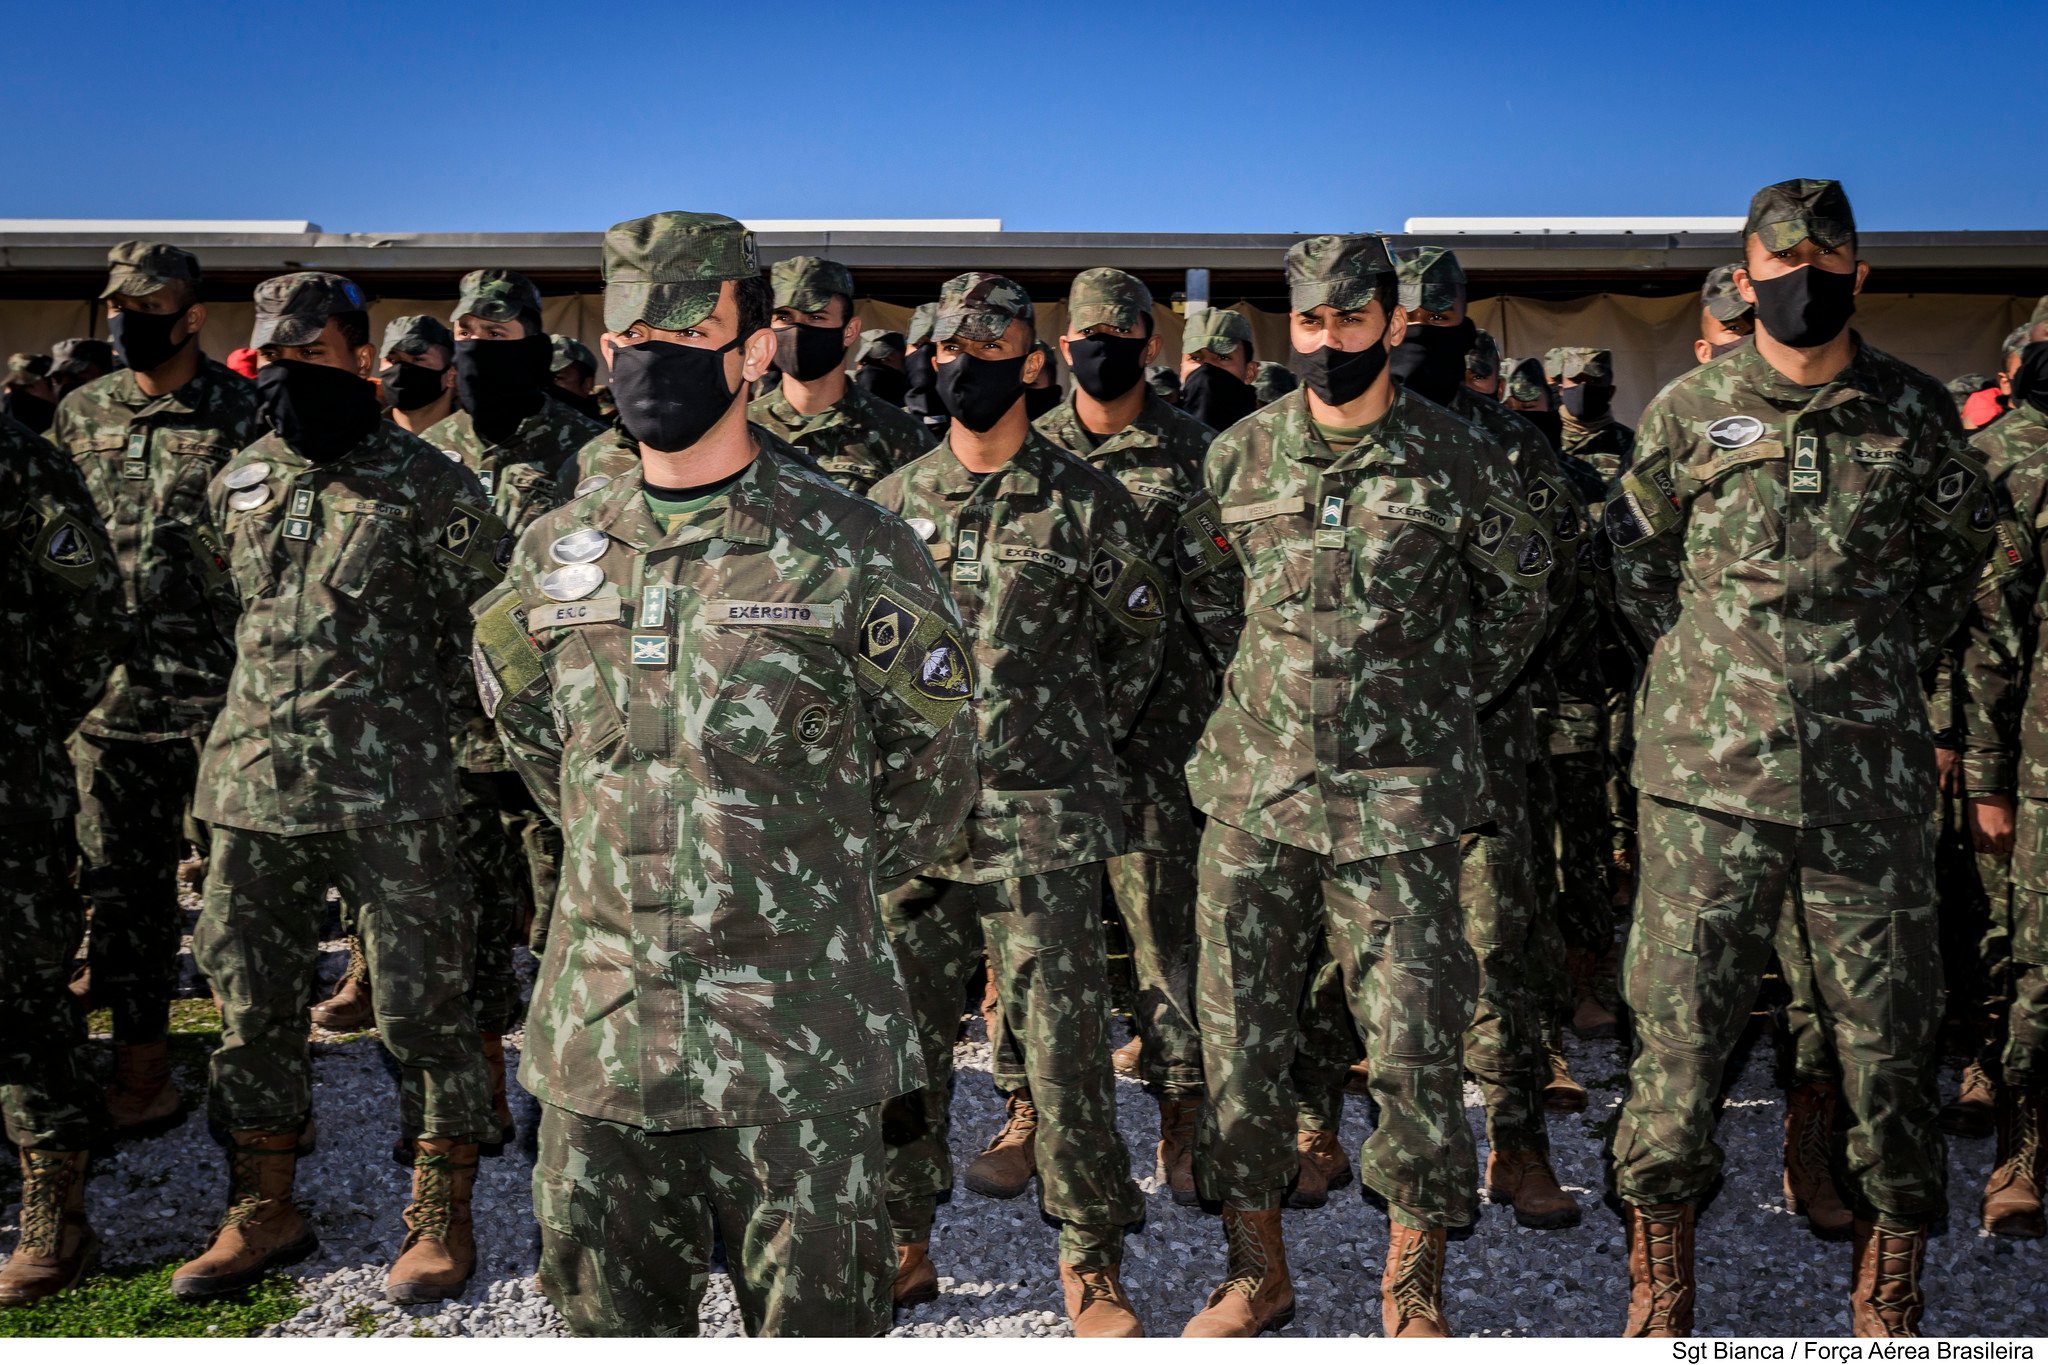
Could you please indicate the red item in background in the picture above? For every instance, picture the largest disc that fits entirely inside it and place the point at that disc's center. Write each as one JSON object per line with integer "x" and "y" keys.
{"x": 243, "y": 361}
{"x": 1982, "y": 408}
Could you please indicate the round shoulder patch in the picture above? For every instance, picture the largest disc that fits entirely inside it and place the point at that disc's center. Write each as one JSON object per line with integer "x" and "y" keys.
{"x": 1733, "y": 433}
{"x": 593, "y": 484}
{"x": 249, "y": 499}
{"x": 248, "y": 475}
{"x": 572, "y": 582}
{"x": 924, "y": 526}
{"x": 579, "y": 547}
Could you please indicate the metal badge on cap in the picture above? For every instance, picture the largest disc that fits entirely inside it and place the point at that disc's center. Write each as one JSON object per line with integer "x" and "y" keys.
{"x": 572, "y": 582}
{"x": 578, "y": 547}
{"x": 248, "y": 475}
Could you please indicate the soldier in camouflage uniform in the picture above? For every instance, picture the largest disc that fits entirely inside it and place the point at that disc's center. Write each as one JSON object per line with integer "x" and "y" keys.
{"x": 572, "y": 370}
{"x": 1726, "y": 318}
{"x": 1585, "y": 396}
{"x": 1115, "y": 423}
{"x": 878, "y": 366}
{"x": 342, "y": 554}
{"x": 1066, "y": 612}
{"x": 1482, "y": 364}
{"x": 741, "y": 691}
{"x": 1216, "y": 368}
{"x": 61, "y": 632}
{"x": 1802, "y": 529}
{"x": 853, "y": 436}
{"x": 147, "y": 439}
{"x": 1272, "y": 381}
{"x": 1393, "y": 583}
{"x": 921, "y": 394}
{"x": 29, "y": 394}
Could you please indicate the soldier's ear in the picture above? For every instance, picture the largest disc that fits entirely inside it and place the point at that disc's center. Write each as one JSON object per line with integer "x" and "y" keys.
{"x": 1862, "y": 274}
{"x": 1034, "y": 363}
{"x": 366, "y": 360}
{"x": 1744, "y": 285}
{"x": 195, "y": 319}
{"x": 757, "y": 353}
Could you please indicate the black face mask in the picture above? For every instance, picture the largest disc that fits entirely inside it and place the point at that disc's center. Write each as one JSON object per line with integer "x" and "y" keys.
{"x": 1217, "y": 397}
{"x": 499, "y": 382}
{"x": 1431, "y": 360}
{"x": 1038, "y": 402}
{"x": 1587, "y": 402}
{"x": 144, "y": 339}
{"x": 321, "y": 412}
{"x": 1337, "y": 376}
{"x": 1715, "y": 350}
{"x": 1107, "y": 366}
{"x": 2030, "y": 381}
{"x": 1806, "y": 308}
{"x": 809, "y": 353}
{"x": 410, "y": 387}
{"x": 921, "y": 383}
{"x": 585, "y": 403}
{"x": 668, "y": 394}
{"x": 978, "y": 392}
{"x": 32, "y": 412}
{"x": 1550, "y": 424}
{"x": 889, "y": 385}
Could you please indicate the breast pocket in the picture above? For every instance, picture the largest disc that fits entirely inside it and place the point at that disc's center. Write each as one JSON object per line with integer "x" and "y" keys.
{"x": 1875, "y": 497}
{"x": 785, "y": 701}
{"x": 1277, "y": 565}
{"x": 1400, "y": 559}
{"x": 372, "y": 547}
{"x": 1738, "y": 510}
{"x": 1041, "y": 597}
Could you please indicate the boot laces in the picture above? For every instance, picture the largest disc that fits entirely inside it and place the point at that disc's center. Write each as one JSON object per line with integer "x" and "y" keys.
{"x": 46, "y": 1190}
{"x": 1095, "y": 1285}
{"x": 1416, "y": 1278}
{"x": 1812, "y": 1140}
{"x": 2025, "y": 1141}
{"x": 1668, "y": 1289}
{"x": 1021, "y": 1124}
{"x": 245, "y": 1185}
{"x": 1246, "y": 1265}
{"x": 432, "y": 1210}
{"x": 1895, "y": 1291}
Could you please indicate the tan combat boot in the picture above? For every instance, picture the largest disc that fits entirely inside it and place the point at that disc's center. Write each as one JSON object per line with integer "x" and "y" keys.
{"x": 1096, "y": 1304}
{"x": 1887, "y": 1299}
{"x": 2012, "y": 1197}
{"x": 1125, "y": 1058}
{"x": 1358, "y": 1080}
{"x": 143, "y": 1094}
{"x": 1320, "y": 1168}
{"x": 1177, "y": 1114}
{"x": 1973, "y": 1113}
{"x": 350, "y": 1008}
{"x": 1005, "y": 1167}
{"x": 263, "y": 1229}
{"x": 917, "y": 1280}
{"x": 1525, "y": 1181}
{"x": 1809, "y": 1174}
{"x": 1660, "y": 1282}
{"x": 1256, "y": 1294}
{"x": 494, "y": 1066}
{"x": 1412, "y": 1286}
{"x": 1561, "y": 1094}
{"x": 439, "y": 1254}
{"x": 1590, "y": 1018}
{"x": 57, "y": 1248}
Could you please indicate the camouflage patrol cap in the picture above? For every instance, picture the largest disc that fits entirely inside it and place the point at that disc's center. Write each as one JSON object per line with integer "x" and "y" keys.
{"x": 2016, "y": 340}
{"x": 566, "y": 351}
{"x": 1787, "y": 213}
{"x": 980, "y": 307}
{"x": 921, "y": 322}
{"x": 878, "y": 343}
{"x": 1104, "y": 295}
{"x": 807, "y": 283}
{"x": 80, "y": 353}
{"x": 1589, "y": 364}
{"x": 1431, "y": 278}
{"x": 1221, "y": 330}
{"x": 1526, "y": 382}
{"x": 2040, "y": 312}
{"x": 416, "y": 334}
{"x": 1963, "y": 385}
{"x": 1342, "y": 271}
{"x": 495, "y": 295}
{"x": 291, "y": 309}
{"x": 141, "y": 268}
{"x": 26, "y": 367}
{"x": 1482, "y": 358}
{"x": 666, "y": 269}
{"x": 1719, "y": 297}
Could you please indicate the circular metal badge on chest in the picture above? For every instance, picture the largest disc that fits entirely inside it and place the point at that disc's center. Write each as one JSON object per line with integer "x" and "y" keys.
{"x": 454, "y": 456}
{"x": 248, "y": 475}
{"x": 578, "y": 547}
{"x": 249, "y": 499}
{"x": 924, "y": 527}
{"x": 1733, "y": 433}
{"x": 572, "y": 582}
{"x": 593, "y": 483}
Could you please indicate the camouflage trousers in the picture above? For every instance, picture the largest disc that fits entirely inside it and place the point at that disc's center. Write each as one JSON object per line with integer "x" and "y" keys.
{"x": 1806, "y": 1045}
{"x": 628, "y": 1218}
{"x": 258, "y": 940}
{"x": 503, "y": 846}
{"x": 1976, "y": 930}
{"x": 2023, "y": 1056}
{"x": 1155, "y": 896}
{"x": 132, "y": 803}
{"x": 1392, "y": 927}
{"x": 45, "y": 1096}
{"x": 1576, "y": 823}
{"x": 1504, "y": 1048}
{"x": 1328, "y": 1045}
{"x": 1043, "y": 936}
{"x": 1713, "y": 891}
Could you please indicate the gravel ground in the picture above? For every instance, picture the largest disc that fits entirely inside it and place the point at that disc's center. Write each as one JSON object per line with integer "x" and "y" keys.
{"x": 1761, "y": 1273}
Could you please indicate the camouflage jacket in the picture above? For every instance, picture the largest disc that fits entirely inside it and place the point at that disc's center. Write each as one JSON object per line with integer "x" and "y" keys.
{"x": 1066, "y": 617}
{"x": 856, "y": 441}
{"x": 1792, "y": 555}
{"x": 1591, "y": 660}
{"x": 1606, "y": 445}
{"x": 744, "y": 726}
{"x": 2000, "y": 717}
{"x": 62, "y": 622}
{"x": 607, "y": 455}
{"x": 515, "y": 477}
{"x": 1390, "y": 592}
{"x": 147, "y": 462}
{"x": 346, "y": 587}
{"x": 1158, "y": 459}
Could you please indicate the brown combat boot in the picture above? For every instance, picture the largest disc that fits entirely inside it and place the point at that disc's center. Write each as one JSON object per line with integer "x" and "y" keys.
{"x": 1412, "y": 1286}
{"x": 1125, "y": 1058}
{"x": 1525, "y": 1181}
{"x": 57, "y": 1248}
{"x": 1660, "y": 1282}
{"x": 1561, "y": 1094}
{"x": 1809, "y": 1173}
{"x": 1177, "y": 1114}
{"x": 80, "y": 986}
{"x": 1973, "y": 1113}
{"x": 1096, "y": 1304}
{"x": 1322, "y": 1167}
{"x": 1887, "y": 1299}
{"x": 1358, "y": 1080}
{"x": 1005, "y": 1167}
{"x": 439, "y": 1254}
{"x": 349, "y": 1009}
{"x": 917, "y": 1279}
{"x": 494, "y": 1065}
{"x": 143, "y": 1094}
{"x": 2012, "y": 1197}
{"x": 263, "y": 1229}
{"x": 1590, "y": 1018}
{"x": 1256, "y": 1294}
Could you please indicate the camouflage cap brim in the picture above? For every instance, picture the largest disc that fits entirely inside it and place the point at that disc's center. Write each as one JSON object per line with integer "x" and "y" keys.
{"x": 286, "y": 329}
{"x": 670, "y": 307}
{"x": 1097, "y": 314}
{"x": 972, "y": 324}
{"x": 1432, "y": 296}
{"x": 1215, "y": 345}
{"x": 135, "y": 283}
{"x": 1343, "y": 295}
{"x": 1790, "y": 232}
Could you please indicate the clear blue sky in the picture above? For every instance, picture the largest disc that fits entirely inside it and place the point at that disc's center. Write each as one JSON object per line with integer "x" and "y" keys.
{"x": 1188, "y": 117}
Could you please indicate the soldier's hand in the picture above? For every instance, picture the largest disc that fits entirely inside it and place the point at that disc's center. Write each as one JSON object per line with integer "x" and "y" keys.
{"x": 1948, "y": 765}
{"x": 1991, "y": 825}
